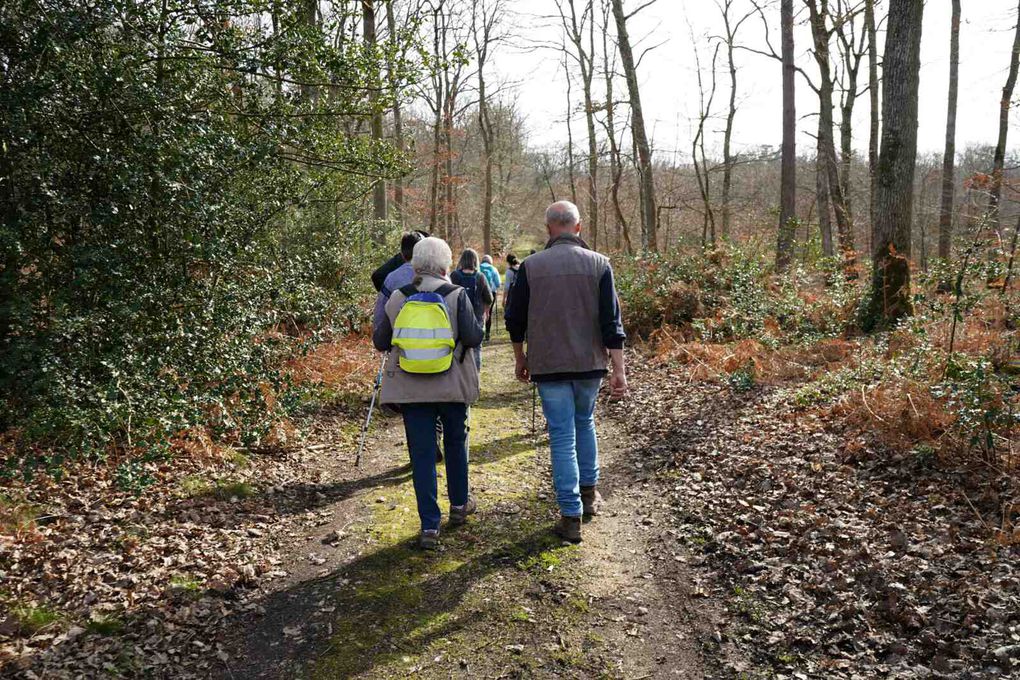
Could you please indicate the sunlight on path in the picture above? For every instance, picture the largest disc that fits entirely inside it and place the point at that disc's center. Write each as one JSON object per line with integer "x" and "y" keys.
{"x": 403, "y": 611}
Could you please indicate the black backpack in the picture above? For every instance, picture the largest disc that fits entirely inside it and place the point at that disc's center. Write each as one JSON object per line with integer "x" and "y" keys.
{"x": 469, "y": 282}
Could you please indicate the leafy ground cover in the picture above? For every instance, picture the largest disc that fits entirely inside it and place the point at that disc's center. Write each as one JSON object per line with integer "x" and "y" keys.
{"x": 884, "y": 565}
{"x": 127, "y": 566}
{"x": 854, "y": 497}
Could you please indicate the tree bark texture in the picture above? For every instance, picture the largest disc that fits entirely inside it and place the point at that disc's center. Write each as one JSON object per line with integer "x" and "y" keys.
{"x": 894, "y": 190}
{"x": 398, "y": 118}
{"x": 949, "y": 154}
{"x": 874, "y": 96}
{"x": 999, "y": 163}
{"x": 788, "y": 177}
{"x": 821, "y": 35}
{"x": 368, "y": 28}
{"x": 644, "y": 152}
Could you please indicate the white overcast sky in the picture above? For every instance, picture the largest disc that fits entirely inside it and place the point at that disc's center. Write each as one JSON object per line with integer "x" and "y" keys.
{"x": 669, "y": 87}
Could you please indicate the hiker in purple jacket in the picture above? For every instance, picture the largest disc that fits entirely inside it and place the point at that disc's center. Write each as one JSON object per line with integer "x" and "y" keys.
{"x": 564, "y": 304}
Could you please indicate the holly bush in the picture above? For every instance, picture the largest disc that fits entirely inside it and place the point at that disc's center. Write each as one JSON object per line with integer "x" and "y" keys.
{"x": 181, "y": 201}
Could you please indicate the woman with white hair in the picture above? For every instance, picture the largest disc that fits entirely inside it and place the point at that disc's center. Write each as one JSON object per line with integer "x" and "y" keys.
{"x": 427, "y": 376}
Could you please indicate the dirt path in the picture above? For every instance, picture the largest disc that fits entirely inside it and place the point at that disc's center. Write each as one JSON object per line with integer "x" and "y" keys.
{"x": 503, "y": 598}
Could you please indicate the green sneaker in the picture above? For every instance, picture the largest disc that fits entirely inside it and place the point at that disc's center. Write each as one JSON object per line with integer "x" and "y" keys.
{"x": 458, "y": 515}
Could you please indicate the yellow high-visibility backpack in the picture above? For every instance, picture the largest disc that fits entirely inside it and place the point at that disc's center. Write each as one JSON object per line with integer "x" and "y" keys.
{"x": 423, "y": 331}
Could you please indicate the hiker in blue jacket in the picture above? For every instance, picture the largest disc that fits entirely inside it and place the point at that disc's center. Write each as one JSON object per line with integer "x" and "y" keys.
{"x": 495, "y": 282}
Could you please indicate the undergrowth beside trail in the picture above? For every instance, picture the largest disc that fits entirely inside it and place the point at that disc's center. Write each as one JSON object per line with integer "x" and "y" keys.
{"x": 940, "y": 385}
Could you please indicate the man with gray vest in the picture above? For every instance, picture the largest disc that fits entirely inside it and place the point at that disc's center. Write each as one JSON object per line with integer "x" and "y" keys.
{"x": 564, "y": 304}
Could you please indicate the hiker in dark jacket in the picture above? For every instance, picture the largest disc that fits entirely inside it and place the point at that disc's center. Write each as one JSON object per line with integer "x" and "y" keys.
{"x": 564, "y": 304}
{"x": 424, "y": 397}
{"x": 392, "y": 264}
{"x": 399, "y": 277}
{"x": 474, "y": 282}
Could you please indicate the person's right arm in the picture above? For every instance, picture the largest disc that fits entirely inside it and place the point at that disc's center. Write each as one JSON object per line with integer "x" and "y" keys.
{"x": 380, "y": 274}
{"x": 382, "y": 333}
{"x": 380, "y": 309}
{"x": 516, "y": 316}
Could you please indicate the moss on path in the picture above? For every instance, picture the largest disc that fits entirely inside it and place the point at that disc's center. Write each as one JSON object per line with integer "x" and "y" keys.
{"x": 480, "y": 604}
{"x": 503, "y": 598}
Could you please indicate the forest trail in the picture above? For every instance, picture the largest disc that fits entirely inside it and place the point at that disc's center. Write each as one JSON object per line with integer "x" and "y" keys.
{"x": 503, "y": 598}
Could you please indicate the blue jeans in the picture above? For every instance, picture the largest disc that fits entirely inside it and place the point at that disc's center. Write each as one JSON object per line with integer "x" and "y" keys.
{"x": 569, "y": 408}
{"x": 420, "y": 427}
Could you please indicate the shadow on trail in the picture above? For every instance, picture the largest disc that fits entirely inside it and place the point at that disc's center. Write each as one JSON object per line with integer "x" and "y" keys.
{"x": 292, "y": 499}
{"x": 388, "y": 604}
{"x": 514, "y": 393}
{"x": 499, "y": 449}
{"x": 300, "y": 497}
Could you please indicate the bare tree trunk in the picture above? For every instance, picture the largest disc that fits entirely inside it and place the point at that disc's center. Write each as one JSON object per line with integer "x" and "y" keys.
{"x": 873, "y": 94}
{"x": 728, "y": 160}
{"x": 449, "y": 202}
{"x": 309, "y": 11}
{"x": 483, "y": 39}
{"x": 437, "y": 127}
{"x": 999, "y": 163}
{"x": 644, "y": 152}
{"x": 851, "y": 51}
{"x": 788, "y": 180}
{"x": 587, "y": 73}
{"x": 398, "y": 119}
{"x": 822, "y": 197}
{"x": 368, "y": 27}
{"x": 570, "y": 132}
{"x": 826, "y": 144}
{"x": 890, "y": 286}
{"x": 615, "y": 162}
{"x": 584, "y": 50}
{"x": 698, "y": 144}
{"x": 949, "y": 155}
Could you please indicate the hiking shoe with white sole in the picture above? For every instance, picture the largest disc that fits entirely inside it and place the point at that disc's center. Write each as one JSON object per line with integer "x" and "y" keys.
{"x": 429, "y": 539}
{"x": 458, "y": 514}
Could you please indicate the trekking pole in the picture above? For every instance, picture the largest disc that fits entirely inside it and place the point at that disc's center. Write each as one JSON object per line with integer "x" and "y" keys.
{"x": 371, "y": 405}
{"x": 534, "y": 392}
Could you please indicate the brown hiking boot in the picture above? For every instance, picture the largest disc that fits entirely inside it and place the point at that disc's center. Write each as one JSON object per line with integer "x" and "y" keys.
{"x": 591, "y": 499}
{"x": 458, "y": 516}
{"x": 568, "y": 528}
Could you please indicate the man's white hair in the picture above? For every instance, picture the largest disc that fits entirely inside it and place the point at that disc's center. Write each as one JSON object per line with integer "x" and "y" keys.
{"x": 432, "y": 256}
{"x": 562, "y": 214}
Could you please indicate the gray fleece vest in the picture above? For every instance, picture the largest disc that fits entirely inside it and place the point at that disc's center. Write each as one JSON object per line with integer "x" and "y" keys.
{"x": 563, "y": 312}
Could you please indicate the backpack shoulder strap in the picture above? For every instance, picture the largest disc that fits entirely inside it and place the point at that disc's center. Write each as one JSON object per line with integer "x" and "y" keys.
{"x": 409, "y": 290}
